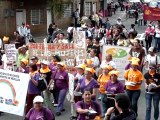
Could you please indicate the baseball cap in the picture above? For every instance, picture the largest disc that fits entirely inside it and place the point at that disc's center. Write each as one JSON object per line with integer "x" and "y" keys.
{"x": 38, "y": 99}
{"x": 45, "y": 62}
{"x": 151, "y": 49}
{"x": 123, "y": 100}
{"x": 34, "y": 58}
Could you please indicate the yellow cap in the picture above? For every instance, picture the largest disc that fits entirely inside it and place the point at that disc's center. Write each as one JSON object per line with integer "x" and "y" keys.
{"x": 89, "y": 61}
{"x": 135, "y": 63}
{"x": 25, "y": 61}
{"x": 5, "y": 39}
{"x": 82, "y": 66}
{"x": 114, "y": 72}
{"x": 91, "y": 70}
{"x": 107, "y": 67}
{"x": 133, "y": 59}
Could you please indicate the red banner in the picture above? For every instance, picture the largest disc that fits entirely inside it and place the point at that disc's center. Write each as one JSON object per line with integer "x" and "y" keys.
{"x": 151, "y": 14}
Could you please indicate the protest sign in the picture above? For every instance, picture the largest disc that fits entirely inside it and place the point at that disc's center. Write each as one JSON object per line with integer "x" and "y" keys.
{"x": 11, "y": 52}
{"x": 79, "y": 39}
{"x": 151, "y": 14}
{"x": 120, "y": 57}
{"x": 13, "y": 91}
{"x": 67, "y": 52}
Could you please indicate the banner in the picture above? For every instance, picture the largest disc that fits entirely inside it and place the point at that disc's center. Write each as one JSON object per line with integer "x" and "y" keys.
{"x": 11, "y": 52}
{"x": 13, "y": 92}
{"x": 68, "y": 53}
{"x": 120, "y": 57}
{"x": 151, "y": 14}
{"x": 79, "y": 38}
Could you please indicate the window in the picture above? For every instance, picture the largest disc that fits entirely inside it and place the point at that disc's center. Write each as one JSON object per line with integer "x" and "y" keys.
{"x": 37, "y": 17}
{"x": 88, "y": 8}
{"x": 67, "y": 10}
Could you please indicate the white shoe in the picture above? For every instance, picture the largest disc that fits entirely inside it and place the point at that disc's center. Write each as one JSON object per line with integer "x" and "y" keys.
{"x": 53, "y": 102}
{"x": 55, "y": 105}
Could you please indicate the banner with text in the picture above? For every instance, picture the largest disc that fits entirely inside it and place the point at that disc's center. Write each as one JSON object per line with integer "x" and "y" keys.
{"x": 79, "y": 38}
{"x": 67, "y": 52}
{"x": 151, "y": 14}
{"x": 120, "y": 57}
{"x": 11, "y": 52}
{"x": 13, "y": 92}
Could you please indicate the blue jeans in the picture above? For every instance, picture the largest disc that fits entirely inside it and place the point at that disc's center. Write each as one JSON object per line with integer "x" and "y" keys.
{"x": 157, "y": 44}
{"x": 104, "y": 105}
{"x": 156, "y": 99}
{"x": 134, "y": 96}
{"x": 61, "y": 98}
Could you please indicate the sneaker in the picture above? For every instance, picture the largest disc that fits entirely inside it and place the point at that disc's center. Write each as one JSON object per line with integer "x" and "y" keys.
{"x": 58, "y": 113}
{"x": 53, "y": 102}
{"x": 99, "y": 98}
{"x": 63, "y": 110}
{"x": 73, "y": 118}
{"x": 55, "y": 105}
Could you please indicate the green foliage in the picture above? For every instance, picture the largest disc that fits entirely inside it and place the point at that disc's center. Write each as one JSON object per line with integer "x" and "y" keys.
{"x": 58, "y": 6}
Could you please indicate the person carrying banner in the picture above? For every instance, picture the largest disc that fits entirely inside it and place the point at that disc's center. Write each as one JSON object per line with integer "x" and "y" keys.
{"x": 32, "y": 86}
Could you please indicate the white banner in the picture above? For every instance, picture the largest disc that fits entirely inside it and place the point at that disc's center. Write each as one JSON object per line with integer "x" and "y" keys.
{"x": 120, "y": 57}
{"x": 11, "y": 52}
{"x": 13, "y": 91}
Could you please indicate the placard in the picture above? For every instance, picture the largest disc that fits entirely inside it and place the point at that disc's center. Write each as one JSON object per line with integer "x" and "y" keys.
{"x": 13, "y": 91}
{"x": 11, "y": 52}
{"x": 120, "y": 57}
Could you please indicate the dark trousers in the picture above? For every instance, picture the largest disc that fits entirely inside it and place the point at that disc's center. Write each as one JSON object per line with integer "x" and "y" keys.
{"x": 76, "y": 22}
{"x": 30, "y": 98}
{"x": 148, "y": 42}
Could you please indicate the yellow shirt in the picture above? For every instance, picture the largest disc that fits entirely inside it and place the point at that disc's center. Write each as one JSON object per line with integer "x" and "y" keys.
{"x": 133, "y": 76}
{"x": 102, "y": 80}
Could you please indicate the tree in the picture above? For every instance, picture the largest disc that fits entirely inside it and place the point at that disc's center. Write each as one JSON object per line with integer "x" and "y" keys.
{"x": 57, "y": 7}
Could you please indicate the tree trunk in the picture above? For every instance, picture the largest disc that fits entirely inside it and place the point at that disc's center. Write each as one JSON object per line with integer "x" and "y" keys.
{"x": 82, "y": 8}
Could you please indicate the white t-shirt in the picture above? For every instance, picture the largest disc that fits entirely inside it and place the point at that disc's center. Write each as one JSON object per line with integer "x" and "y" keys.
{"x": 111, "y": 63}
{"x": 96, "y": 62}
{"x": 152, "y": 60}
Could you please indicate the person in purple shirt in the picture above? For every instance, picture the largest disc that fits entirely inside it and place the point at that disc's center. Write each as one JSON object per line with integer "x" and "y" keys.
{"x": 35, "y": 60}
{"x": 38, "y": 112}
{"x": 87, "y": 105}
{"x": 88, "y": 82}
{"x": 32, "y": 86}
{"x": 23, "y": 66}
{"x": 61, "y": 78}
{"x": 53, "y": 64}
{"x": 113, "y": 87}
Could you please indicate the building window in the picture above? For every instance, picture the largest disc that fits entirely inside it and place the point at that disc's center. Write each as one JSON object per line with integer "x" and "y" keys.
{"x": 67, "y": 10}
{"x": 87, "y": 8}
{"x": 37, "y": 17}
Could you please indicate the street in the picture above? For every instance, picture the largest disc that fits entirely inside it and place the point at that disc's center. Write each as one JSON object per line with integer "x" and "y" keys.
{"x": 66, "y": 114}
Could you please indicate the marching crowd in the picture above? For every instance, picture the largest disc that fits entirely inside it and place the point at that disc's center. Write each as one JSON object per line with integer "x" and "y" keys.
{"x": 94, "y": 90}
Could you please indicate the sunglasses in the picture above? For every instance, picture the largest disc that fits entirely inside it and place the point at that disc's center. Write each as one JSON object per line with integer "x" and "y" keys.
{"x": 152, "y": 68}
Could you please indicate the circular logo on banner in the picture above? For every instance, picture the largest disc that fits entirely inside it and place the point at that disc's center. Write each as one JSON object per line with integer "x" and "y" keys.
{"x": 117, "y": 52}
{"x": 147, "y": 12}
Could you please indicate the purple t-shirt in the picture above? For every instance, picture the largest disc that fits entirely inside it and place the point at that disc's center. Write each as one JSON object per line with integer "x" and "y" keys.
{"x": 32, "y": 89}
{"x": 43, "y": 114}
{"x": 94, "y": 105}
{"x": 26, "y": 70}
{"x": 61, "y": 79}
{"x": 52, "y": 67}
{"x": 92, "y": 84}
{"x": 114, "y": 88}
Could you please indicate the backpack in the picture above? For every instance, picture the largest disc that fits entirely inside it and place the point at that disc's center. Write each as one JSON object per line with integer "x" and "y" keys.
{"x": 44, "y": 111}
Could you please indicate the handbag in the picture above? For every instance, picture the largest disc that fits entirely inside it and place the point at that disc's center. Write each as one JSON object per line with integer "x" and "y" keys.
{"x": 42, "y": 84}
{"x": 52, "y": 84}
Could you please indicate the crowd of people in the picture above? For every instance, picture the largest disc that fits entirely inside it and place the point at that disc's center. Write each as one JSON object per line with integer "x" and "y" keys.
{"x": 94, "y": 90}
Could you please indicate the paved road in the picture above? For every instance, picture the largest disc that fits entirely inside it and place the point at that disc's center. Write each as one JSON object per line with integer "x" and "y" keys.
{"x": 65, "y": 115}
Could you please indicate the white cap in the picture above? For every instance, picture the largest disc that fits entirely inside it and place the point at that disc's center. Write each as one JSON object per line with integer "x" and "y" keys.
{"x": 151, "y": 49}
{"x": 45, "y": 62}
{"x": 38, "y": 99}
